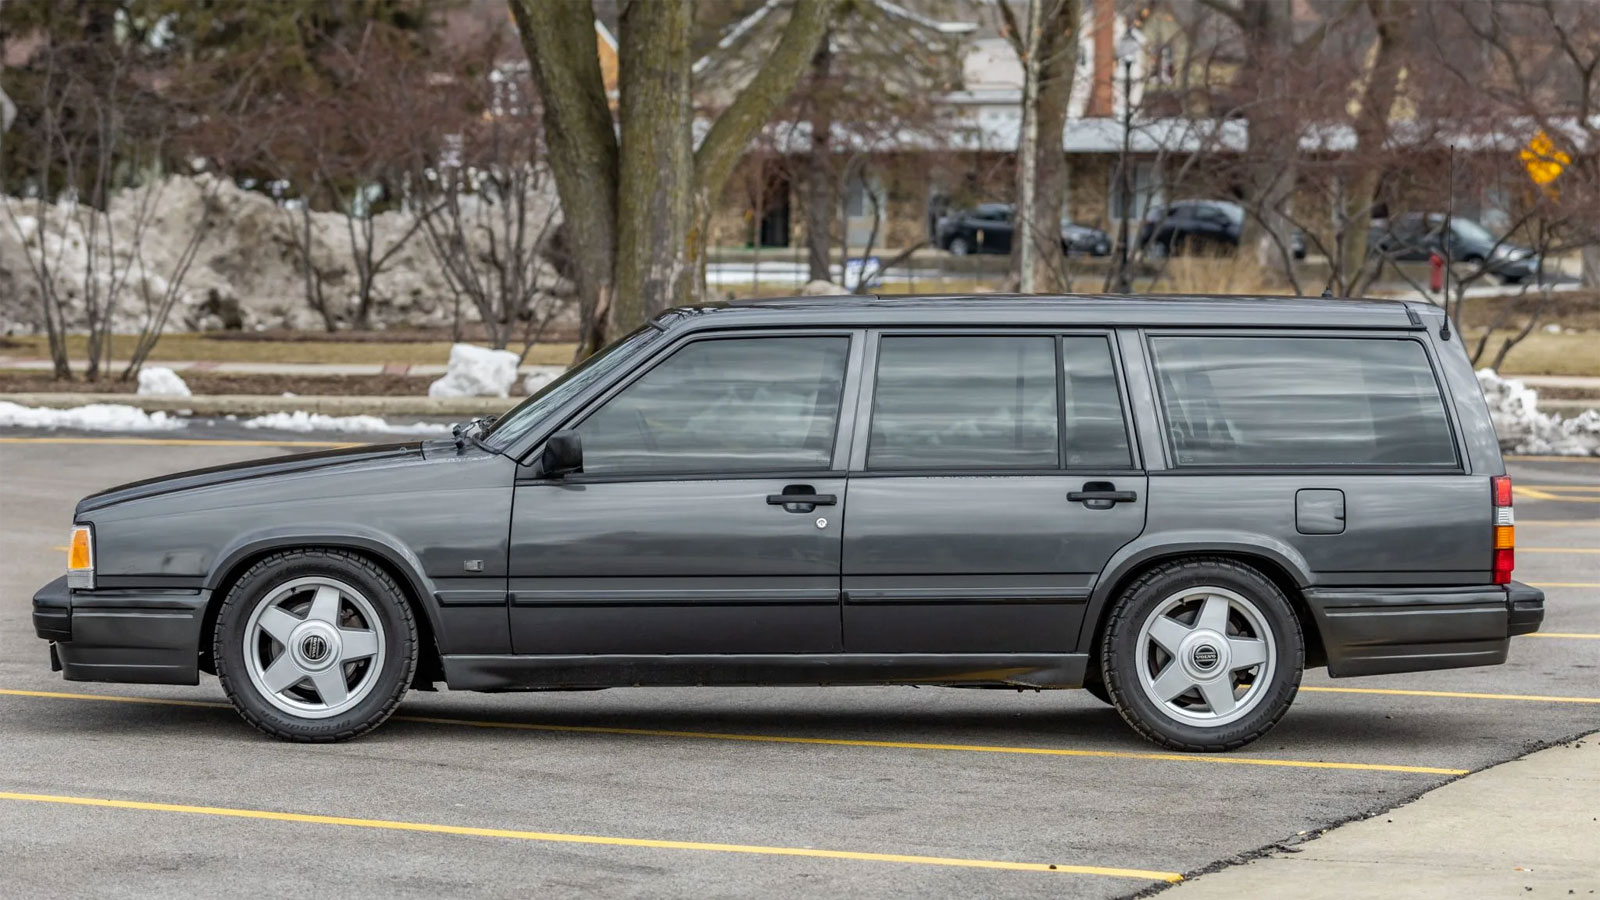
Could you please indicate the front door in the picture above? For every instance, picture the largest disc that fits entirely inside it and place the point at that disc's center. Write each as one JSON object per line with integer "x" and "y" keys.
{"x": 995, "y": 484}
{"x": 678, "y": 535}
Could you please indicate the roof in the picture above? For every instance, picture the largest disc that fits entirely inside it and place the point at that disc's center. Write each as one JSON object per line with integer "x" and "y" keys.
{"x": 1088, "y": 310}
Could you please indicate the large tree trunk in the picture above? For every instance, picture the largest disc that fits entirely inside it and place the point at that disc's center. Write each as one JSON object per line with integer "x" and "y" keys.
{"x": 656, "y": 184}
{"x": 1041, "y": 162}
{"x": 559, "y": 39}
{"x": 1371, "y": 126}
{"x": 819, "y": 169}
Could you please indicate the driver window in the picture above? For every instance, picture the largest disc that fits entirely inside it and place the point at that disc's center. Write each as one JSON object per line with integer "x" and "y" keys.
{"x": 724, "y": 405}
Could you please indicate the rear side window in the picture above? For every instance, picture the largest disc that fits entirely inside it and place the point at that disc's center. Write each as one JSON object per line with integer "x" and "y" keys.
{"x": 1289, "y": 401}
{"x": 1096, "y": 435}
{"x": 964, "y": 402}
{"x": 732, "y": 405}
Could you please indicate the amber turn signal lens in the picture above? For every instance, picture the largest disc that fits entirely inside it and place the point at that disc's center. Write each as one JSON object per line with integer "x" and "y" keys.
{"x": 78, "y": 555}
{"x": 1505, "y": 537}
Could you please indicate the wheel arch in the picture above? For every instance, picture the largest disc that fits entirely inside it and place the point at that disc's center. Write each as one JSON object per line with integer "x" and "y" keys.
{"x": 391, "y": 555}
{"x": 1278, "y": 562}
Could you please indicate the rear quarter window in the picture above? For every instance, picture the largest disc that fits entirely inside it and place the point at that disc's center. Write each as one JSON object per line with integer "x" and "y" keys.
{"x": 1301, "y": 401}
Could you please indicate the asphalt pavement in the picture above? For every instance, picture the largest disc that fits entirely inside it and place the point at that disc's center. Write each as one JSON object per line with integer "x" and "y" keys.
{"x": 130, "y": 790}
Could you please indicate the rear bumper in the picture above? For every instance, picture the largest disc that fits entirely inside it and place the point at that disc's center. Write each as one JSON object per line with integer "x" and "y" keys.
{"x": 1384, "y": 630}
{"x": 147, "y": 636}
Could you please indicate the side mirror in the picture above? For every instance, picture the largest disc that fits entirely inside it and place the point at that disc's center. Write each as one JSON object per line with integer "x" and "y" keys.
{"x": 563, "y": 454}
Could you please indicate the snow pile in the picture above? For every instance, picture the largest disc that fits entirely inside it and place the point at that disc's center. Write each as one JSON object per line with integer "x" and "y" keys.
{"x": 161, "y": 382}
{"x": 476, "y": 372}
{"x": 1514, "y": 409}
{"x": 821, "y": 288}
{"x": 300, "y": 420}
{"x": 247, "y": 273}
{"x": 537, "y": 379}
{"x": 94, "y": 417}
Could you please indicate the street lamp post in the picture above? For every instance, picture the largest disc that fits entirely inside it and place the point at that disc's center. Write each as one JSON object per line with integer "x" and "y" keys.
{"x": 1127, "y": 51}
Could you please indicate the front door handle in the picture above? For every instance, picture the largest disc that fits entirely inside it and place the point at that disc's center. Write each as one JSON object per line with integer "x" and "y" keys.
{"x": 801, "y": 495}
{"x": 1101, "y": 495}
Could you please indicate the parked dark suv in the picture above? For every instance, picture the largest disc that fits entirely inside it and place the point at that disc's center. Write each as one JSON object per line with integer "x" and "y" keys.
{"x": 988, "y": 228}
{"x": 1202, "y": 227}
{"x": 1178, "y": 503}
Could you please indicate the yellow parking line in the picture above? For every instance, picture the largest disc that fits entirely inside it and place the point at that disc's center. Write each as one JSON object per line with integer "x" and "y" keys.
{"x": 1559, "y": 523}
{"x": 833, "y": 742}
{"x": 1563, "y": 634}
{"x": 559, "y": 838}
{"x": 1535, "y": 494}
{"x": 1564, "y": 487}
{"x": 1564, "y": 584}
{"x": 1558, "y": 549}
{"x": 176, "y": 442}
{"x": 1464, "y": 695}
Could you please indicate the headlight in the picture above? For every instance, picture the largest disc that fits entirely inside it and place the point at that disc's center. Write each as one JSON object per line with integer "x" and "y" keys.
{"x": 80, "y": 558}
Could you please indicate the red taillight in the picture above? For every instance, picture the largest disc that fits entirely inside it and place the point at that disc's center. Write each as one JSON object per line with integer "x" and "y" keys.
{"x": 1505, "y": 535}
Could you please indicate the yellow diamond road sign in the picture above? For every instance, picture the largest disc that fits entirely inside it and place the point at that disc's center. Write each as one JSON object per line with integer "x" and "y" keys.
{"x": 1543, "y": 160}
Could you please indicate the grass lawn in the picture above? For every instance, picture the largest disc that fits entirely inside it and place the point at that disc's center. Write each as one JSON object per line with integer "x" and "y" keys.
{"x": 1541, "y": 353}
{"x": 200, "y": 348}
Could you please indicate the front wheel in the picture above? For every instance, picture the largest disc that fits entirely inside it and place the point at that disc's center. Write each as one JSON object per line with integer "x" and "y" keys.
{"x": 1202, "y": 654}
{"x": 315, "y": 645}
{"x": 959, "y": 247}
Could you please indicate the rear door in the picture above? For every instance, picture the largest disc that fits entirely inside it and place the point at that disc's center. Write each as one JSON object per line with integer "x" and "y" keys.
{"x": 678, "y": 535}
{"x": 991, "y": 483}
{"x": 1340, "y": 445}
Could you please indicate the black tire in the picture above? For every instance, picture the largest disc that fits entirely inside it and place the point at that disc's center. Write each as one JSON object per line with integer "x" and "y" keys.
{"x": 1120, "y": 655}
{"x": 958, "y": 246}
{"x": 393, "y": 620}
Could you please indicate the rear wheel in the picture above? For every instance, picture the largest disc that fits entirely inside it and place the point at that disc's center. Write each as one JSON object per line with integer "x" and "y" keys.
{"x": 1202, "y": 654}
{"x": 315, "y": 645}
{"x": 959, "y": 247}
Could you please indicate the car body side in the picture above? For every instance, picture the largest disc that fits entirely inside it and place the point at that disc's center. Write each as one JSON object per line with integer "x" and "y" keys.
{"x": 440, "y": 518}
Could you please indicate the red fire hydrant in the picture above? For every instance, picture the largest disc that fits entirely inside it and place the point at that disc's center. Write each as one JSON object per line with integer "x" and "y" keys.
{"x": 1435, "y": 272}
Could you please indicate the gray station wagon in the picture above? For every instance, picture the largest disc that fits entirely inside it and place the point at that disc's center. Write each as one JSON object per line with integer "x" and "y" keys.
{"x": 1176, "y": 503}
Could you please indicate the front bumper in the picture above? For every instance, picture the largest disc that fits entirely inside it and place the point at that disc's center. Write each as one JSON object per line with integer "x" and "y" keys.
{"x": 148, "y": 636}
{"x": 1386, "y": 630}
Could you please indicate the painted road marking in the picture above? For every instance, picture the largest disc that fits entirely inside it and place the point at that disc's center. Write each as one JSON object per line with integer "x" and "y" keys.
{"x": 1562, "y": 634}
{"x": 559, "y": 838}
{"x": 1559, "y": 523}
{"x": 832, "y": 742}
{"x": 1463, "y": 695}
{"x": 178, "y": 442}
{"x": 1566, "y": 487}
{"x": 1558, "y": 549}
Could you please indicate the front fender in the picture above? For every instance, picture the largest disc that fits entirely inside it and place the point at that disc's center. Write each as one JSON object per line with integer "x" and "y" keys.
{"x": 1150, "y": 547}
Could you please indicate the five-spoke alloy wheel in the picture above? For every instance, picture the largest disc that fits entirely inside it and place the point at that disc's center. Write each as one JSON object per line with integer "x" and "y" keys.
{"x": 315, "y": 645}
{"x": 1202, "y": 654}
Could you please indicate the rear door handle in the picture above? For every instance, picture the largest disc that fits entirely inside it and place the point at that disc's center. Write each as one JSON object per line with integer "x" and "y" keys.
{"x": 1101, "y": 495}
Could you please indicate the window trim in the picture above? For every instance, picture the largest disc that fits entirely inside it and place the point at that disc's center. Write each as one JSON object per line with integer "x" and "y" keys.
{"x": 867, "y": 400}
{"x": 1177, "y": 467}
{"x": 842, "y": 426}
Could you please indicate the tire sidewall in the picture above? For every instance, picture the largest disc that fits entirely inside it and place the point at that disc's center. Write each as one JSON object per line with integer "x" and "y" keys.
{"x": 1120, "y": 655}
{"x": 394, "y": 620}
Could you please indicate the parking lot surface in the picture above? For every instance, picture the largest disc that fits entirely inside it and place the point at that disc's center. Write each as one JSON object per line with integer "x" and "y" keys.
{"x": 124, "y": 790}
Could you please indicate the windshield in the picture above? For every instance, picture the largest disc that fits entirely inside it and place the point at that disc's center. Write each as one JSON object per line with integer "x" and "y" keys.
{"x": 530, "y": 412}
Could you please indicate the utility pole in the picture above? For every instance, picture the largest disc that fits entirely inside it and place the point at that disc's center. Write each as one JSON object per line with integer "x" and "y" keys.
{"x": 1027, "y": 159}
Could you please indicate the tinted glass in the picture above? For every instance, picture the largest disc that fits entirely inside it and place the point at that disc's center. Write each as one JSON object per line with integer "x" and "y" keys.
{"x": 1301, "y": 401}
{"x": 1096, "y": 436}
{"x": 964, "y": 402}
{"x": 745, "y": 405}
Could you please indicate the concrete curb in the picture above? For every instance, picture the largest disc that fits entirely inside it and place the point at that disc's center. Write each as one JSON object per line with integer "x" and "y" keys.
{"x": 256, "y": 405}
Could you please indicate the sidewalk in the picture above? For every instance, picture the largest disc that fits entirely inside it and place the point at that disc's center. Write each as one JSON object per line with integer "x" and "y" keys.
{"x": 1527, "y": 827}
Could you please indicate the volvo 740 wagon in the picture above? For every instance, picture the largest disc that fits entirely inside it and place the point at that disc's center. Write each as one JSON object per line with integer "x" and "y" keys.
{"x": 1179, "y": 504}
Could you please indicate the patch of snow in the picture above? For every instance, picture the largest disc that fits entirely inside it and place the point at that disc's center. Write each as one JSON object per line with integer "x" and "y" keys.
{"x": 161, "y": 382}
{"x": 1522, "y": 428}
{"x": 536, "y": 381}
{"x": 476, "y": 372}
{"x": 300, "y": 420}
{"x": 93, "y": 417}
{"x": 821, "y": 288}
